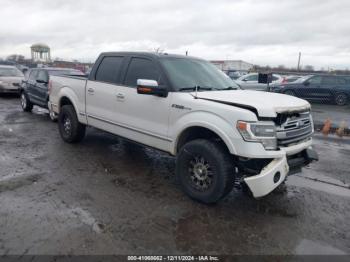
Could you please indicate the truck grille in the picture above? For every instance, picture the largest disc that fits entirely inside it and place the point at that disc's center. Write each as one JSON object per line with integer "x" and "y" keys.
{"x": 296, "y": 128}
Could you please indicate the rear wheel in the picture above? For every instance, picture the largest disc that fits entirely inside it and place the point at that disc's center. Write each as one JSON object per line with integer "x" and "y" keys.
{"x": 205, "y": 170}
{"x": 27, "y": 106}
{"x": 290, "y": 93}
{"x": 70, "y": 129}
{"x": 341, "y": 99}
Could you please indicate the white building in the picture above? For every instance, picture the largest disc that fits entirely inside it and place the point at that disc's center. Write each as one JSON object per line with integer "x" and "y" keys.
{"x": 232, "y": 65}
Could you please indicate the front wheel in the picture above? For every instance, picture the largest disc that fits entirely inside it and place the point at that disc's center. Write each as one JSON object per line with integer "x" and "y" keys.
{"x": 70, "y": 129}
{"x": 26, "y": 105}
{"x": 205, "y": 170}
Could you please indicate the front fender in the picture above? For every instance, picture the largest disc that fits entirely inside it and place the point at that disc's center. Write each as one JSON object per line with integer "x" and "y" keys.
{"x": 208, "y": 120}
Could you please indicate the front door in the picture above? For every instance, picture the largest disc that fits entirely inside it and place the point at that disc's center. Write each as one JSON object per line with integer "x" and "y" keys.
{"x": 144, "y": 117}
{"x": 40, "y": 90}
{"x": 30, "y": 85}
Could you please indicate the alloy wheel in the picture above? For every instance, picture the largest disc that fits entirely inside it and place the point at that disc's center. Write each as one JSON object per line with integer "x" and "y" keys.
{"x": 341, "y": 99}
{"x": 67, "y": 125}
{"x": 200, "y": 173}
{"x": 23, "y": 101}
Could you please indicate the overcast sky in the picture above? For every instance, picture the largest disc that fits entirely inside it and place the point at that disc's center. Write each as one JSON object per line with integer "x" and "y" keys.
{"x": 264, "y": 32}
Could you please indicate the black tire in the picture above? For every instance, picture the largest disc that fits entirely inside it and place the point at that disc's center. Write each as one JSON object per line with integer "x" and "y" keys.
{"x": 70, "y": 129}
{"x": 289, "y": 92}
{"x": 340, "y": 99}
{"x": 207, "y": 181}
{"x": 26, "y": 105}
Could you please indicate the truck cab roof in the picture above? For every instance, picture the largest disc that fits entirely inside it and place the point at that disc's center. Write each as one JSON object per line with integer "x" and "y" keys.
{"x": 148, "y": 54}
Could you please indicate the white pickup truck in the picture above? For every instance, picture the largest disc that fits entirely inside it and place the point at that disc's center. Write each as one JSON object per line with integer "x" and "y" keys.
{"x": 185, "y": 106}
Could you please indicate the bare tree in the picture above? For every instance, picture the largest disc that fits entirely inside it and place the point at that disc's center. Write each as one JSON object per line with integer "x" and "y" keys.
{"x": 159, "y": 50}
{"x": 16, "y": 58}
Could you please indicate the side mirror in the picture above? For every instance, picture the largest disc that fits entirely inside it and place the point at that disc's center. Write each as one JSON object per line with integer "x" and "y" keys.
{"x": 150, "y": 87}
{"x": 244, "y": 80}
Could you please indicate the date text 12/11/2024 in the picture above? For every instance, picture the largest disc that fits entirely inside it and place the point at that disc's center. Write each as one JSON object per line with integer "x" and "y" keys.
{"x": 173, "y": 258}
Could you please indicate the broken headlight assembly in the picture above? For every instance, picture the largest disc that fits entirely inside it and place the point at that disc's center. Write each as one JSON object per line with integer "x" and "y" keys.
{"x": 261, "y": 132}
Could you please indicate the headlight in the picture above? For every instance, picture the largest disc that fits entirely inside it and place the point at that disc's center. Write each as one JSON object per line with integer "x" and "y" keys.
{"x": 263, "y": 132}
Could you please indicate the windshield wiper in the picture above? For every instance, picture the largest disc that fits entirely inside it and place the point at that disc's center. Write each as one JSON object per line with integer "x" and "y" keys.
{"x": 193, "y": 88}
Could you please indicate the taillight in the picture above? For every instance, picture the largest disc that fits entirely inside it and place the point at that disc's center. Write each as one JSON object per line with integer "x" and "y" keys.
{"x": 284, "y": 81}
{"x": 49, "y": 87}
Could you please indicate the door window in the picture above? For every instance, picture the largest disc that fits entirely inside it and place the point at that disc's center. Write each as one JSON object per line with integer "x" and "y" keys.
{"x": 252, "y": 78}
{"x": 341, "y": 81}
{"x": 315, "y": 80}
{"x": 347, "y": 79}
{"x": 141, "y": 68}
{"x": 329, "y": 80}
{"x": 42, "y": 75}
{"x": 109, "y": 69}
{"x": 33, "y": 74}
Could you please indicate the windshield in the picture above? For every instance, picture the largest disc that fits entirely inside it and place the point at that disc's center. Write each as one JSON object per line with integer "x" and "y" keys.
{"x": 10, "y": 72}
{"x": 65, "y": 72}
{"x": 186, "y": 73}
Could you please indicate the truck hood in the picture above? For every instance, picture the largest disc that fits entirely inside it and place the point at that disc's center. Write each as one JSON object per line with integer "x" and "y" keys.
{"x": 263, "y": 103}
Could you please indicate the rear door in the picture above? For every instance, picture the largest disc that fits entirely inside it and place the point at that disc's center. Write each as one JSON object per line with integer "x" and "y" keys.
{"x": 343, "y": 85}
{"x": 101, "y": 93}
{"x": 328, "y": 86}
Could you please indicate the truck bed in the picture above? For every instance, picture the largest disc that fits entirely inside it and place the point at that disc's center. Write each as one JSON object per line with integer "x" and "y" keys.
{"x": 76, "y": 85}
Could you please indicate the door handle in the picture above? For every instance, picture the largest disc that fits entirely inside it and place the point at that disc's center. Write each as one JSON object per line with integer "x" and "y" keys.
{"x": 91, "y": 90}
{"x": 120, "y": 97}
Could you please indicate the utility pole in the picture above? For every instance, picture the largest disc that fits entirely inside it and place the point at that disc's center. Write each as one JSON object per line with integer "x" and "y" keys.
{"x": 299, "y": 61}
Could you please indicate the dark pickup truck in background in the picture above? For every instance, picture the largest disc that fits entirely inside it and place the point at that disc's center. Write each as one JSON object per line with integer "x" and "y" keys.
{"x": 321, "y": 88}
{"x": 35, "y": 88}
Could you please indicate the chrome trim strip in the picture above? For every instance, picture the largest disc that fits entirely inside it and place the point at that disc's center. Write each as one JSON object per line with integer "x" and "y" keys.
{"x": 130, "y": 128}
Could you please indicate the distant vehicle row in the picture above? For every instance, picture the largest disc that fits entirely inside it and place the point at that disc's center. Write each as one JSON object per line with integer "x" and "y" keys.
{"x": 322, "y": 88}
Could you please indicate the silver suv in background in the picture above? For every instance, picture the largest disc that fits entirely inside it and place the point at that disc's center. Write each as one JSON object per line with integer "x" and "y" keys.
{"x": 10, "y": 79}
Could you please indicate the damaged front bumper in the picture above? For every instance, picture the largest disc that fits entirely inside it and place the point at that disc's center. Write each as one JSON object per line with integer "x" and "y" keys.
{"x": 273, "y": 174}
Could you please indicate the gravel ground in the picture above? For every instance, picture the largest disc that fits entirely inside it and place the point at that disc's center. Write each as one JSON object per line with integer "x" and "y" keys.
{"x": 109, "y": 196}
